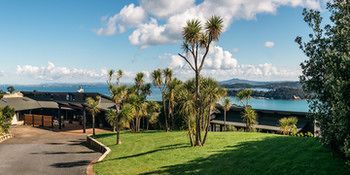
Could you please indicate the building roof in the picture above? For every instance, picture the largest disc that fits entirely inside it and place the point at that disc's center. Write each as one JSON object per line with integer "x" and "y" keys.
{"x": 74, "y": 100}
{"x": 20, "y": 103}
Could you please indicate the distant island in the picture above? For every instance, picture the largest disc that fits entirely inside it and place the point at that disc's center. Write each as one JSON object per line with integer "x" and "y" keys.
{"x": 286, "y": 90}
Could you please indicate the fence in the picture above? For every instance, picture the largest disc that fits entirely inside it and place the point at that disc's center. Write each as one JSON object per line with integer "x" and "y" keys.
{"x": 38, "y": 120}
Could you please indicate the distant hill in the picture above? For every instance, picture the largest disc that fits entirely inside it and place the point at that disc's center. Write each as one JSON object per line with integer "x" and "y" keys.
{"x": 239, "y": 83}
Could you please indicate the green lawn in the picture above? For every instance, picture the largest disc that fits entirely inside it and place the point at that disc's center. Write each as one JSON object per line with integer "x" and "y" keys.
{"x": 224, "y": 153}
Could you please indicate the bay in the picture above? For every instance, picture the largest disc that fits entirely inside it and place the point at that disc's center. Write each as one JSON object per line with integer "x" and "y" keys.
{"x": 267, "y": 104}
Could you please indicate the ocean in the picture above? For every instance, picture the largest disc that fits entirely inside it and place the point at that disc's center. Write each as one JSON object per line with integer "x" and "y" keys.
{"x": 269, "y": 104}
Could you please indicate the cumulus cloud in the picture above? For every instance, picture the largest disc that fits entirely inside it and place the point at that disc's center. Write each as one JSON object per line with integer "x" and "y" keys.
{"x": 129, "y": 16}
{"x": 53, "y": 72}
{"x": 174, "y": 14}
{"x": 166, "y": 8}
{"x": 221, "y": 65}
{"x": 269, "y": 44}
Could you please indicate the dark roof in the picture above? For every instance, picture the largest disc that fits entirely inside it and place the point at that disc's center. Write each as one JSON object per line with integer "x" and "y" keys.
{"x": 20, "y": 103}
{"x": 65, "y": 96}
{"x": 74, "y": 100}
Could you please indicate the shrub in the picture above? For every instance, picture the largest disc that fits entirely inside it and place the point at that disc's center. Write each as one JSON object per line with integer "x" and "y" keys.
{"x": 288, "y": 125}
{"x": 6, "y": 115}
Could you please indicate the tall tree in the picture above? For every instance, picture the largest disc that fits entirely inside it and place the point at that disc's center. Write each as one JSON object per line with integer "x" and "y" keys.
{"x": 152, "y": 112}
{"x": 249, "y": 115}
{"x": 226, "y": 105}
{"x": 196, "y": 44}
{"x": 93, "y": 107}
{"x": 186, "y": 100}
{"x": 326, "y": 73}
{"x": 120, "y": 115}
{"x": 157, "y": 80}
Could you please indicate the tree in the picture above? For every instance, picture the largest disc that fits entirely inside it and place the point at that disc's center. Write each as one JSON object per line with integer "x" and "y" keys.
{"x": 288, "y": 125}
{"x": 157, "y": 81}
{"x": 152, "y": 112}
{"x": 326, "y": 74}
{"x": 6, "y": 115}
{"x": 11, "y": 89}
{"x": 123, "y": 112}
{"x": 244, "y": 96}
{"x": 137, "y": 96}
{"x": 170, "y": 97}
{"x": 93, "y": 107}
{"x": 249, "y": 117}
{"x": 196, "y": 44}
{"x": 186, "y": 100}
{"x": 226, "y": 106}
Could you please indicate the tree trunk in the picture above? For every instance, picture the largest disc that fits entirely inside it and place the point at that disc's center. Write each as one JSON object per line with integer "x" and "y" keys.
{"x": 93, "y": 125}
{"x": 165, "y": 114}
{"x": 225, "y": 120}
{"x": 198, "y": 116}
{"x": 118, "y": 137}
{"x": 190, "y": 133}
{"x": 206, "y": 129}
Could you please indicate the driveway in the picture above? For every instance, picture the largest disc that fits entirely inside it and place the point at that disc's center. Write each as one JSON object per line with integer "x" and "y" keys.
{"x": 36, "y": 151}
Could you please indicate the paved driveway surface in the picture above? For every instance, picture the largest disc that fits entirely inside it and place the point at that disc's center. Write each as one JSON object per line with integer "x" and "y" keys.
{"x": 36, "y": 151}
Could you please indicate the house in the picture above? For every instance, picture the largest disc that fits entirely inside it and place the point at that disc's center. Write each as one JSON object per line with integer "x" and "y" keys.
{"x": 63, "y": 107}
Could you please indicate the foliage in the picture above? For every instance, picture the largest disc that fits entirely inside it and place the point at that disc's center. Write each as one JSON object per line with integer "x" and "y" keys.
{"x": 226, "y": 104}
{"x": 11, "y": 89}
{"x": 277, "y": 93}
{"x": 123, "y": 112}
{"x": 224, "y": 153}
{"x": 288, "y": 125}
{"x": 186, "y": 101}
{"x": 6, "y": 115}
{"x": 244, "y": 96}
{"x": 196, "y": 44}
{"x": 326, "y": 73}
{"x": 249, "y": 117}
{"x": 93, "y": 107}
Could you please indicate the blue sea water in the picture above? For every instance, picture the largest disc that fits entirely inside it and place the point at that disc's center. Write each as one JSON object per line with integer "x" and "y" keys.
{"x": 270, "y": 104}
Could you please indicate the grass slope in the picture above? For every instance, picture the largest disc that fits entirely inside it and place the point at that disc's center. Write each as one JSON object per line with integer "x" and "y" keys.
{"x": 224, "y": 153}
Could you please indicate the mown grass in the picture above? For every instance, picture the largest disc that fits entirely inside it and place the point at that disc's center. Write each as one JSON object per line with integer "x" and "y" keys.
{"x": 224, "y": 153}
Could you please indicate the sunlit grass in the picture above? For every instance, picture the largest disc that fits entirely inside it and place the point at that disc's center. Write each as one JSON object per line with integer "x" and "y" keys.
{"x": 224, "y": 153}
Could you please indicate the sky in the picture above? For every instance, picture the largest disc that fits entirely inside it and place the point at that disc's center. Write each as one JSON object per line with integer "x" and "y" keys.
{"x": 65, "y": 41}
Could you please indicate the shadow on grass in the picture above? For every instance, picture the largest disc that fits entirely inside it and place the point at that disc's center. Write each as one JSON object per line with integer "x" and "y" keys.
{"x": 277, "y": 155}
{"x": 162, "y": 148}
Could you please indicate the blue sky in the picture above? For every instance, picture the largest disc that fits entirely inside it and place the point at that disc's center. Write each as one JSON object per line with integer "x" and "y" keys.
{"x": 77, "y": 41}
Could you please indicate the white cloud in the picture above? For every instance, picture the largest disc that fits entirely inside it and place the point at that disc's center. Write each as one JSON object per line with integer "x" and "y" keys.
{"x": 165, "y": 8}
{"x": 129, "y": 16}
{"x": 148, "y": 31}
{"x": 269, "y": 44}
{"x": 53, "y": 72}
{"x": 2, "y": 73}
{"x": 221, "y": 65}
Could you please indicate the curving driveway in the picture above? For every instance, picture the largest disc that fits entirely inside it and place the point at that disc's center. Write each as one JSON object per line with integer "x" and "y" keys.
{"x": 36, "y": 151}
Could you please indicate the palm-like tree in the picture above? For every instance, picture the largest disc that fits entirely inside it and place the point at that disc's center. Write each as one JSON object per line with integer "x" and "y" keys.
{"x": 152, "y": 112}
{"x": 172, "y": 85}
{"x": 244, "y": 96}
{"x": 227, "y": 106}
{"x": 121, "y": 114}
{"x": 198, "y": 40}
{"x": 93, "y": 107}
{"x": 249, "y": 117}
{"x": 157, "y": 81}
{"x": 186, "y": 100}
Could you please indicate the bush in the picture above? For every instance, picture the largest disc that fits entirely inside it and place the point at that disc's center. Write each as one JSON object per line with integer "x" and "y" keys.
{"x": 6, "y": 115}
{"x": 288, "y": 125}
